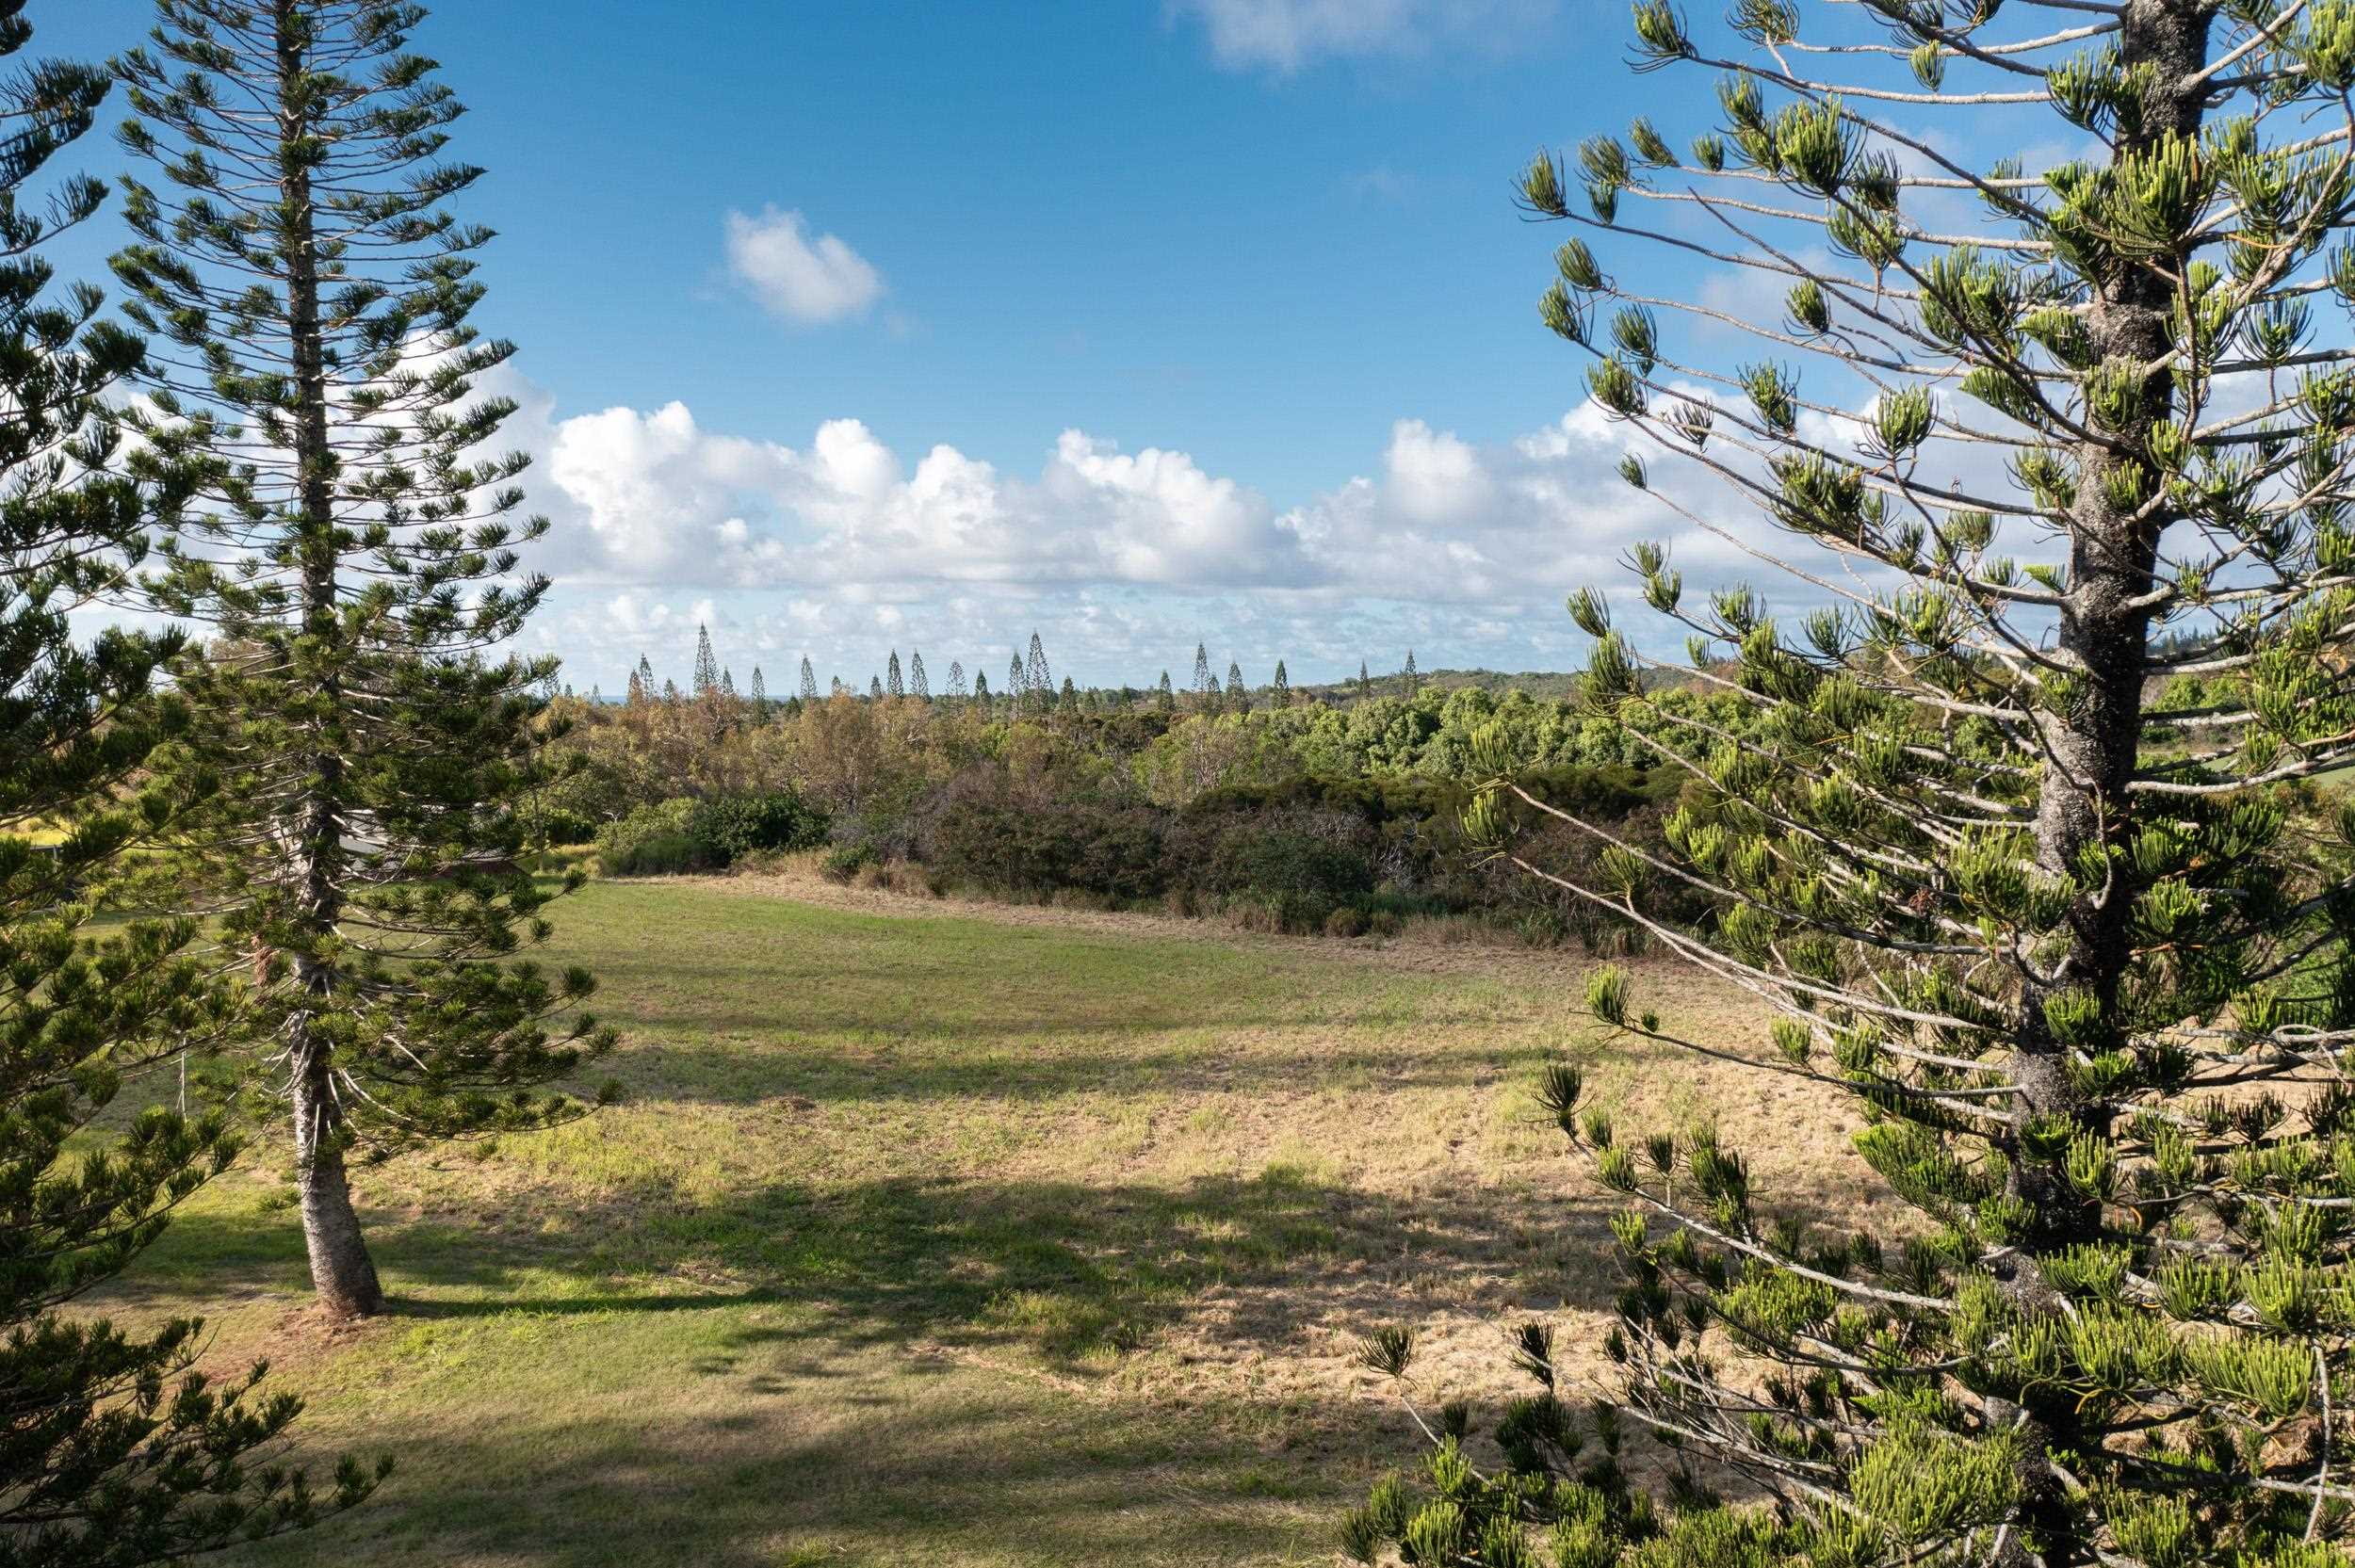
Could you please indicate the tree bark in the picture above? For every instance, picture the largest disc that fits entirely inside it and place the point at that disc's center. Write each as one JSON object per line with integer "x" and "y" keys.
{"x": 341, "y": 1269}
{"x": 2093, "y": 746}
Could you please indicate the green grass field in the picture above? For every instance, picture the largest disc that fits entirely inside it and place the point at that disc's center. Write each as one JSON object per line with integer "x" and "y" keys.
{"x": 935, "y": 1235}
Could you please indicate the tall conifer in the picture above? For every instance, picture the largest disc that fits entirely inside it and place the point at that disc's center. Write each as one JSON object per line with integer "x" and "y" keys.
{"x": 706, "y": 680}
{"x": 2012, "y": 826}
{"x": 113, "y": 1451}
{"x": 356, "y": 553}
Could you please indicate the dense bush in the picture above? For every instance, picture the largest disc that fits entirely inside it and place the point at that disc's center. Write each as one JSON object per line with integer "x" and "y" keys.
{"x": 652, "y": 841}
{"x": 1278, "y": 816}
{"x": 683, "y": 834}
{"x": 1008, "y": 846}
{"x": 846, "y": 860}
{"x": 733, "y": 826}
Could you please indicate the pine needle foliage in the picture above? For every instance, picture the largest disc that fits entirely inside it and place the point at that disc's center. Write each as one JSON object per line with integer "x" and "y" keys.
{"x": 113, "y": 1449}
{"x": 2025, "y": 849}
{"x": 309, "y": 295}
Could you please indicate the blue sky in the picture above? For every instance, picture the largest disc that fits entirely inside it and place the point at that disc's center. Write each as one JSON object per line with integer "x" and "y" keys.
{"x": 1138, "y": 323}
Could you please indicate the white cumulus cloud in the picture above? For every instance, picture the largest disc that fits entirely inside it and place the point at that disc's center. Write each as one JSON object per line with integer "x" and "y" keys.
{"x": 1460, "y": 548}
{"x": 803, "y": 279}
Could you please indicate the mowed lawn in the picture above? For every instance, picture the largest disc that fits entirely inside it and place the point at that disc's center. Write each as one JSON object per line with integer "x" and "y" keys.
{"x": 936, "y": 1235}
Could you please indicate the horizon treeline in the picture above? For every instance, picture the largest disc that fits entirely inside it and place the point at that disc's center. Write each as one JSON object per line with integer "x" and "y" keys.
{"x": 1029, "y": 682}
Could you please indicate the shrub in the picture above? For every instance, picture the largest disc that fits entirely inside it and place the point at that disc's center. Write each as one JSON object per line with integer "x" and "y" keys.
{"x": 686, "y": 834}
{"x": 906, "y": 875}
{"x": 845, "y": 860}
{"x": 554, "y": 826}
{"x": 729, "y": 827}
{"x": 1007, "y": 845}
{"x": 1345, "y": 921}
{"x": 661, "y": 854}
{"x": 652, "y": 841}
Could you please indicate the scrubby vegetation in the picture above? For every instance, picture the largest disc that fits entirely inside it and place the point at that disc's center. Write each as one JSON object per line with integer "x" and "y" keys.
{"x": 1307, "y": 817}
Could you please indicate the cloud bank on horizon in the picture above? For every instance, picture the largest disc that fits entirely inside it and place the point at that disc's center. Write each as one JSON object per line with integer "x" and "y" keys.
{"x": 842, "y": 548}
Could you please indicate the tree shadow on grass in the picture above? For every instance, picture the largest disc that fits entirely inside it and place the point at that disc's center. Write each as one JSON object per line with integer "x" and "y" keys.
{"x": 968, "y": 1469}
{"x": 1074, "y": 1271}
{"x": 1027, "y": 1066}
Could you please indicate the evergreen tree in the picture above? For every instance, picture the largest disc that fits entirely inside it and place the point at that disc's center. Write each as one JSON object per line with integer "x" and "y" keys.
{"x": 2019, "y": 842}
{"x": 956, "y": 677}
{"x": 727, "y": 684}
{"x": 761, "y": 696}
{"x": 1035, "y": 676}
{"x": 917, "y": 685}
{"x": 1365, "y": 683}
{"x": 1281, "y": 691}
{"x": 357, "y": 557}
{"x": 1017, "y": 683}
{"x": 113, "y": 1451}
{"x": 1068, "y": 700}
{"x": 836, "y": 690}
{"x": 1408, "y": 677}
{"x": 645, "y": 675}
{"x": 670, "y": 690}
{"x": 892, "y": 682}
{"x": 981, "y": 692}
{"x": 809, "y": 681}
{"x": 706, "y": 679}
{"x": 1203, "y": 680}
{"x": 875, "y": 687}
{"x": 1163, "y": 698}
{"x": 636, "y": 692}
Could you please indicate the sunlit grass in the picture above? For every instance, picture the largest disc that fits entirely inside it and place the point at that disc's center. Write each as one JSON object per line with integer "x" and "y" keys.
{"x": 927, "y": 1237}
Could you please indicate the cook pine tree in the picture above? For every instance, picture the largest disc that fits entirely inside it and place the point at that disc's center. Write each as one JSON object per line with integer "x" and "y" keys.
{"x": 357, "y": 557}
{"x": 919, "y": 685}
{"x": 114, "y": 1448}
{"x": 809, "y": 681}
{"x": 706, "y": 680}
{"x": 2019, "y": 840}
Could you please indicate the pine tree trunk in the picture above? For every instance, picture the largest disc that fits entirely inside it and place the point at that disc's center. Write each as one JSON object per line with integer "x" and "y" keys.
{"x": 2091, "y": 746}
{"x": 341, "y": 1269}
